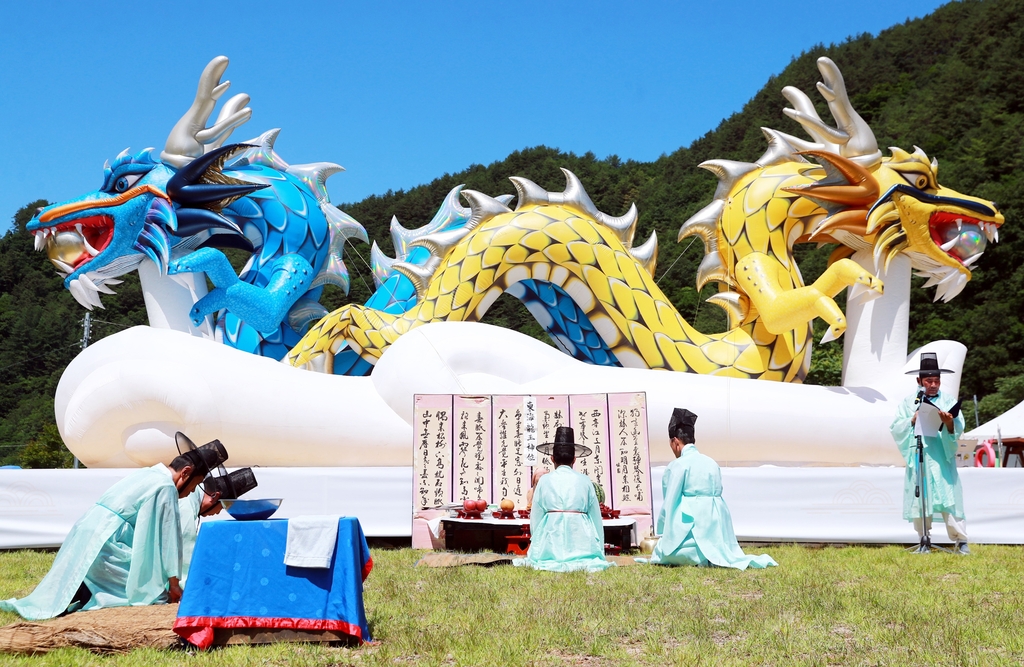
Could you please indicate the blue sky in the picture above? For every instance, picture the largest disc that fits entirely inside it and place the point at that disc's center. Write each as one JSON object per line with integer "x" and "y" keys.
{"x": 398, "y": 93}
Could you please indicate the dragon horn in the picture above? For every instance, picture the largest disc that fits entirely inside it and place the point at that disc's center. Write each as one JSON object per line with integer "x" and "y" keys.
{"x": 852, "y": 137}
{"x": 189, "y": 136}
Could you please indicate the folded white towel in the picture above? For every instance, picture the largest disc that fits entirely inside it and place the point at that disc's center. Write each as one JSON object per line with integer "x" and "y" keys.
{"x": 311, "y": 541}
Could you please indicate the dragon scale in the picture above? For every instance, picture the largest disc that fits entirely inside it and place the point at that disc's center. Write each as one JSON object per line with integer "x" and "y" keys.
{"x": 564, "y": 247}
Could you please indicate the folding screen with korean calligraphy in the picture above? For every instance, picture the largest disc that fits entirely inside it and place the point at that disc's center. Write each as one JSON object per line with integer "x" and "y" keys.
{"x": 588, "y": 414}
{"x": 484, "y": 447}
{"x": 432, "y": 458}
{"x": 471, "y": 457}
{"x": 511, "y": 474}
{"x": 552, "y": 412}
{"x": 630, "y": 457}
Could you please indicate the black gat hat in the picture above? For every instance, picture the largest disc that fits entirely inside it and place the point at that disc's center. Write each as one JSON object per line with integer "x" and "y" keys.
{"x": 929, "y": 366}
{"x": 681, "y": 425}
{"x": 564, "y": 445}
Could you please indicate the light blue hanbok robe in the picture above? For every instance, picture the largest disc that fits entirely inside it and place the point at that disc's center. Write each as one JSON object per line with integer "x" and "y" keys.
{"x": 188, "y": 512}
{"x": 124, "y": 548}
{"x": 942, "y": 483}
{"x": 565, "y": 525}
{"x": 694, "y": 521}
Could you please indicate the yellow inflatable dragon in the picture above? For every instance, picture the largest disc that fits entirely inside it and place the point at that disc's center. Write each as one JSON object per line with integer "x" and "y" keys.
{"x": 836, "y": 189}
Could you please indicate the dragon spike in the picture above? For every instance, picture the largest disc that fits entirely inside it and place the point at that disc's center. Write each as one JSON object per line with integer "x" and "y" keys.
{"x": 529, "y": 192}
{"x": 797, "y": 143}
{"x": 334, "y": 273}
{"x": 440, "y": 243}
{"x": 647, "y": 253}
{"x": 400, "y": 238}
{"x": 898, "y": 154}
{"x": 727, "y": 172}
{"x": 935, "y": 166}
{"x": 106, "y": 165}
{"x": 575, "y": 196}
{"x": 315, "y": 175}
{"x": 712, "y": 268}
{"x": 483, "y": 207}
{"x": 505, "y": 199}
{"x": 189, "y": 137}
{"x": 779, "y": 149}
{"x": 418, "y": 275}
{"x": 702, "y": 224}
{"x": 343, "y": 226}
{"x": 303, "y": 312}
{"x": 122, "y": 155}
{"x": 381, "y": 265}
{"x": 624, "y": 226}
{"x": 261, "y": 153}
{"x": 918, "y": 153}
{"x": 734, "y": 304}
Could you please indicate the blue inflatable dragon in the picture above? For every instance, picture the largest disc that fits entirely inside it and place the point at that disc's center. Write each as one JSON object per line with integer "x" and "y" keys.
{"x": 178, "y": 206}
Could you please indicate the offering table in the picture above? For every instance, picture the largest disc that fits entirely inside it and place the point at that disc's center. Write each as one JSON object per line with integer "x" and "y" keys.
{"x": 240, "y": 591}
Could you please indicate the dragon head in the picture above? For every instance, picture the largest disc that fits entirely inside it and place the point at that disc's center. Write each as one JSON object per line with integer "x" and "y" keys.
{"x": 942, "y": 231}
{"x": 887, "y": 205}
{"x": 150, "y": 204}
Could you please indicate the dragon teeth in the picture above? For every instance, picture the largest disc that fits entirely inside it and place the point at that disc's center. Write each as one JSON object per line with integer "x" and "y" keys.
{"x": 39, "y": 241}
{"x": 946, "y": 247}
{"x": 972, "y": 259}
{"x": 88, "y": 248}
{"x": 66, "y": 268}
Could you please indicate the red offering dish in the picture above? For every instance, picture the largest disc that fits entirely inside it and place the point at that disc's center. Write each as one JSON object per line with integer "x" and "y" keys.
{"x": 523, "y": 514}
{"x": 609, "y": 513}
{"x": 472, "y": 509}
{"x": 504, "y": 514}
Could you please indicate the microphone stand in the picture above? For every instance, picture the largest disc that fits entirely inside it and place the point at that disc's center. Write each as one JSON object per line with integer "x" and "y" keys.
{"x": 925, "y": 545}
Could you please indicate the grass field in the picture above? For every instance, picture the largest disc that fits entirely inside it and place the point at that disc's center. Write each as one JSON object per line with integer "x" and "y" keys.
{"x": 832, "y": 606}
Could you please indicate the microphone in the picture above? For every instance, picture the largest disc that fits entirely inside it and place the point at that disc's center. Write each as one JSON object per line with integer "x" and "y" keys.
{"x": 920, "y": 395}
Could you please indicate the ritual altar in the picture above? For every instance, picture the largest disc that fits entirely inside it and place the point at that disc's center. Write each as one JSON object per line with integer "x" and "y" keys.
{"x": 484, "y": 449}
{"x": 489, "y": 534}
{"x": 238, "y": 581}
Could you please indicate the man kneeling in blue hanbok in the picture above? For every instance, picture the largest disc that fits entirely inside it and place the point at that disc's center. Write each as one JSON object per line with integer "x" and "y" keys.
{"x": 565, "y": 519}
{"x": 126, "y": 549}
{"x": 694, "y": 521}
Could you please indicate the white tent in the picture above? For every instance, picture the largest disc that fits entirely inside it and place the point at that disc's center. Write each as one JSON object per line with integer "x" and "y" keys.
{"x": 1010, "y": 425}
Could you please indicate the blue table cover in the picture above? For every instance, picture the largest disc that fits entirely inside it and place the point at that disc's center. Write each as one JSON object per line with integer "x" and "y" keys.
{"x": 238, "y": 579}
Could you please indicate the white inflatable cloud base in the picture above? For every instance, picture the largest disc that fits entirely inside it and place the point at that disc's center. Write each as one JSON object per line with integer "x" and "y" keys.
{"x": 120, "y": 401}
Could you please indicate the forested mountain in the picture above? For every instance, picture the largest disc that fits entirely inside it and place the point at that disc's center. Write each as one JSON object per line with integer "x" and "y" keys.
{"x": 951, "y": 83}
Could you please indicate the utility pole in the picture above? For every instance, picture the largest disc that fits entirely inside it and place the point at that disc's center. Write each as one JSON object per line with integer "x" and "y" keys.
{"x": 86, "y": 332}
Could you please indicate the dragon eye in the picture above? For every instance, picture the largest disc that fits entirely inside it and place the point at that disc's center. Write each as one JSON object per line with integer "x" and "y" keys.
{"x": 919, "y": 181}
{"x": 128, "y": 180}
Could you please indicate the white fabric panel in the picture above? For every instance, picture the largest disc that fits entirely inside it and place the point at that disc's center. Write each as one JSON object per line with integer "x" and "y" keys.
{"x": 859, "y": 504}
{"x": 38, "y": 507}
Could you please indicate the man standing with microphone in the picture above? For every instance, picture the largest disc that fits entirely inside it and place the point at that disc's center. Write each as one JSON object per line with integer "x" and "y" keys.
{"x": 941, "y": 488}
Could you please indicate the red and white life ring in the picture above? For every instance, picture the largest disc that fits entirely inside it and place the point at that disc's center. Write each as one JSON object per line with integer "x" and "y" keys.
{"x": 984, "y": 455}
